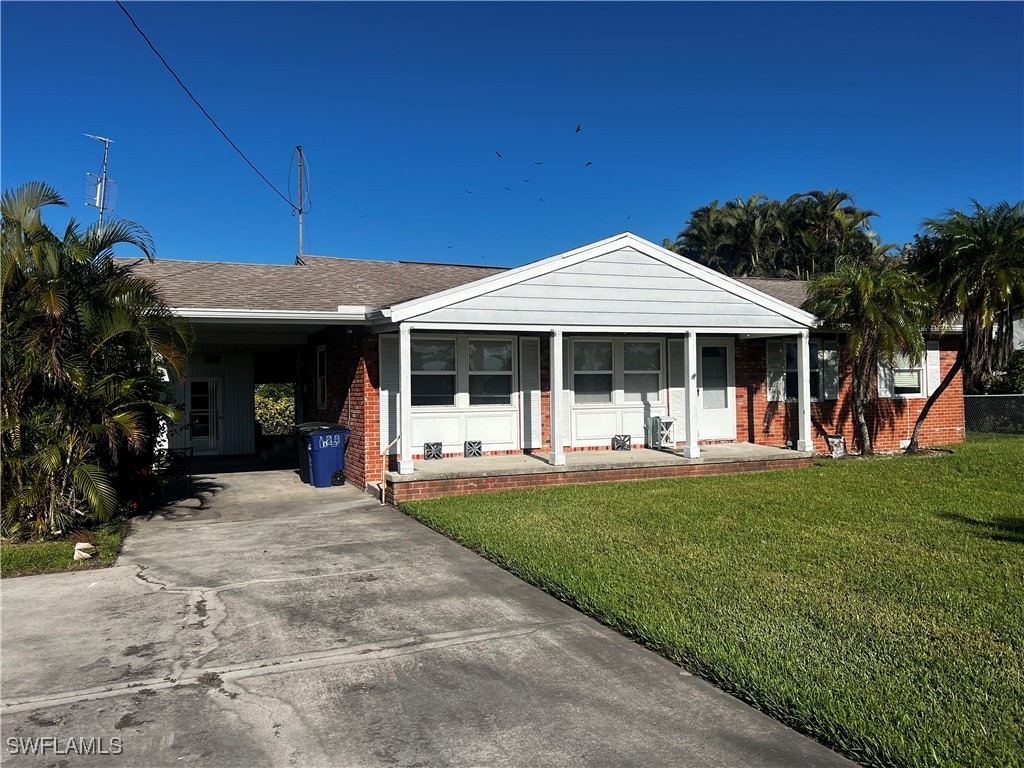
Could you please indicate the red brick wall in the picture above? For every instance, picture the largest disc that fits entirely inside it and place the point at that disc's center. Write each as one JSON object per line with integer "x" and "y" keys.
{"x": 353, "y": 398}
{"x": 891, "y": 420}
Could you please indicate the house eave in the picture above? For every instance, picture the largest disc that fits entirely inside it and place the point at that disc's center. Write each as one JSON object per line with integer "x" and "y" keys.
{"x": 344, "y": 315}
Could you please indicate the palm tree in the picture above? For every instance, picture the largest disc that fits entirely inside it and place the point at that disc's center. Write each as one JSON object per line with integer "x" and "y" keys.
{"x": 974, "y": 263}
{"x": 830, "y": 227}
{"x": 881, "y": 306}
{"x": 83, "y": 340}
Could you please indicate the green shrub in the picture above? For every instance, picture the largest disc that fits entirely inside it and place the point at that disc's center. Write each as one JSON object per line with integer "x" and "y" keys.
{"x": 275, "y": 409}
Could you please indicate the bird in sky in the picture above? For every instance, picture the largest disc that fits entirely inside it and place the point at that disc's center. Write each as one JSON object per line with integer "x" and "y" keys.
{"x": 468, "y": 192}
{"x": 497, "y": 153}
{"x": 540, "y": 163}
{"x": 542, "y": 199}
{"x": 509, "y": 188}
{"x": 588, "y": 165}
{"x": 578, "y": 128}
{"x": 525, "y": 179}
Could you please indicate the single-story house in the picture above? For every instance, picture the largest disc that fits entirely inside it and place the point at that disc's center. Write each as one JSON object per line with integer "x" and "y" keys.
{"x": 539, "y": 370}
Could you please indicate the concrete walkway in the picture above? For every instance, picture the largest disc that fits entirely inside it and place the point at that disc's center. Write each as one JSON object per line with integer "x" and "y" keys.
{"x": 277, "y": 624}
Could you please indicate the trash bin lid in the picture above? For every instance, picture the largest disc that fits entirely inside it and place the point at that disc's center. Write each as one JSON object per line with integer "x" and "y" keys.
{"x": 309, "y": 427}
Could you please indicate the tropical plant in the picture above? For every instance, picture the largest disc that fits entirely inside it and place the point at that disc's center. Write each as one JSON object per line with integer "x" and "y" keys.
{"x": 808, "y": 233}
{"x": 881, "y": 307}
{"x": 83, "y": 344}
{"x": 974, "y": 263}
{"x": 275, "y": 408}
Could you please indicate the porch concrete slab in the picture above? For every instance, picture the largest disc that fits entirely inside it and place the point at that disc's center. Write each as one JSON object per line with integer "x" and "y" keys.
{"x": 285, "y": 625}
{"x": 589, "y": 461}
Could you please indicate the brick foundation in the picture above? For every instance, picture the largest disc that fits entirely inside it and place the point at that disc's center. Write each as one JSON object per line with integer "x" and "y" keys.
{"x": 398, "y": 492}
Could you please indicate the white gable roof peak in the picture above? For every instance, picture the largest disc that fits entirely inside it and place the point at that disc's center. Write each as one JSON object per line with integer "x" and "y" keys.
{"x": 417, "y": 307}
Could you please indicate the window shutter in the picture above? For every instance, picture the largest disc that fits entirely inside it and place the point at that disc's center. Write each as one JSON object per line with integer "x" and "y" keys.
{"x": 776, "y": 370}
{"x": 829, "y": 369}
{"x": 390, "y": 380}
{"x": 932, "y": 367}
{"x": 677, "y": 378}
{"x": 886, "y": 380}
{"x": 567, "y": 369}
{"x": 529, "y": 378}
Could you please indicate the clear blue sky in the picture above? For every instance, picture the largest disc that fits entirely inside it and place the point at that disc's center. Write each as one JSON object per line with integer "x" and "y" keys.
{"x": 913, "y": 108}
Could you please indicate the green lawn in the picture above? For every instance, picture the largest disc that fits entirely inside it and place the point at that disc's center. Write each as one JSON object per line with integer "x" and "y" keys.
{"x": 877, "y": 605}
{"x": 25, "y": 559}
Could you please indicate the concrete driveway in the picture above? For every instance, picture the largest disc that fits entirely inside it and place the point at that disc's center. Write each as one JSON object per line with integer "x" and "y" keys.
{"x": 279, "y": 624}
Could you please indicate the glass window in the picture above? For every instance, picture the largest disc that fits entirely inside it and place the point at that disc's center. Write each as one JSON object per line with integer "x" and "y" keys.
{"x": 433, "y": 390}
{"x": 714, "y": 377}
{"x": 907, "y": 379}
{"x": 641, "y": 356}
{"x": 489, "y": 389}
{"x": 592, "y": 356}
{"x": 592, "y": 371}
{"x": 490, "y": 356}
{"x": 490, "y": 371}
{"x": 433, "y": 355}
{"x": 433, "y": 371}
{"x": 641, "y": 377}
{"x": 793, "y": 375}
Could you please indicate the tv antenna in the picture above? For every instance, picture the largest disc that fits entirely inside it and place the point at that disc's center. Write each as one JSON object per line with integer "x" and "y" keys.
{"x": 99, "y": 185}
{"x": 301, "y": 201}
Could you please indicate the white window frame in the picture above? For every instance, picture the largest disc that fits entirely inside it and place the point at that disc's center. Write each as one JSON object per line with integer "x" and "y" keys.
{"x": 816, "y": 365}
{"x": 610, "y": 373}
{"x": 454, "y": 373}
{"x": 660, "y": 398}
{"x": 321, "y": 376}
{"x": 510, "y": 373}
{"x": 922, "y": 377}
{"x": 462, "y": 373}
{"x": 618, "y": 372}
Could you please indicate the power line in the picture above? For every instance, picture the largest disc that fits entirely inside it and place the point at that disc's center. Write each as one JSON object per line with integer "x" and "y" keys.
{"x": 201, "y": 108}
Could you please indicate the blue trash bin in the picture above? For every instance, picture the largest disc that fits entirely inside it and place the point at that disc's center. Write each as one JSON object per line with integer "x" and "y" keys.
{"x": 326, "y": 450}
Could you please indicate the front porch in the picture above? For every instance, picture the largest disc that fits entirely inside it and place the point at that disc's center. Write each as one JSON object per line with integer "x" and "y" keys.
{"x": 461, "y": 476}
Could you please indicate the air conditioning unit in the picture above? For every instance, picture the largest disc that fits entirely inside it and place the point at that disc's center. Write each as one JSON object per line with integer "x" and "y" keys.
{"x": 660, "y": 433}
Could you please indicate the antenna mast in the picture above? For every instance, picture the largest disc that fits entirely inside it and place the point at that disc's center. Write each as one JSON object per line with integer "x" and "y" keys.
{"x": 100, "y": 198}
{"x": 299, "y": 150}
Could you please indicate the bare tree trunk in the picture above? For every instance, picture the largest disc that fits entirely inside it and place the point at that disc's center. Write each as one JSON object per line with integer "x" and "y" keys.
{"x": 914, "y": 445}
{"x": 861, "y": 398}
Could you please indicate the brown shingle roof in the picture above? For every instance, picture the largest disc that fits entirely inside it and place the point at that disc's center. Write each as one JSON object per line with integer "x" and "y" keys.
{"x": 320, "y": 283}
{"x": 792, "y": 292}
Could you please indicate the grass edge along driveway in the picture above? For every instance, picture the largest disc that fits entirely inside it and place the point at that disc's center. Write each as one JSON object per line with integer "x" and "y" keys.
{"x": 877, "y": 605}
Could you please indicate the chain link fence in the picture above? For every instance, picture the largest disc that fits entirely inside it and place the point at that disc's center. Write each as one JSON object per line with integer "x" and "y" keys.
{"x": 994, "y": 413}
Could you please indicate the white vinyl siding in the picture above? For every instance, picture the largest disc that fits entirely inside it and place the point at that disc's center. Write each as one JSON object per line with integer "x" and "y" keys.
{"x": 624, "y": 288}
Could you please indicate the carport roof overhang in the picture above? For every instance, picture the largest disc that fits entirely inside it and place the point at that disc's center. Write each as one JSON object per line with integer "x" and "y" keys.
{"x": 261, "y": 328}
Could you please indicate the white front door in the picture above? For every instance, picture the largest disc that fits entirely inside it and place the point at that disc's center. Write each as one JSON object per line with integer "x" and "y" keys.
{"x": 204, "y": 415}
{"x": 716, "y": 391}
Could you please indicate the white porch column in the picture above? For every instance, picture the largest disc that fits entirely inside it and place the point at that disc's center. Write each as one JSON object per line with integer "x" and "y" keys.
{"x": 803, "y": 375}
{"x": 557, "y": 457}
{"x": 692, "y": 449}
{"x": 405, "y": 400}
